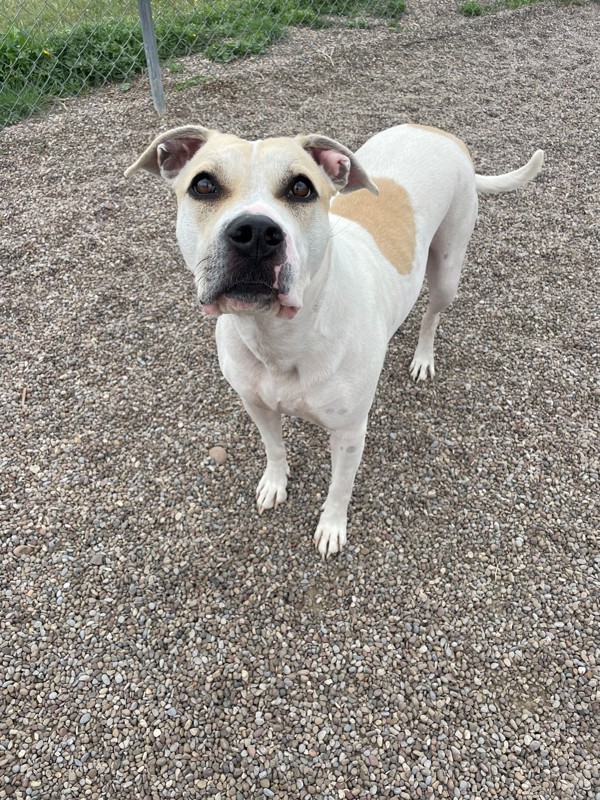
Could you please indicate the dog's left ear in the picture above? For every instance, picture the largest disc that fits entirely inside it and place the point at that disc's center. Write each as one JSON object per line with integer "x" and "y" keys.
{"x": 170, "y": 152}
{"x": 339, "y": 163}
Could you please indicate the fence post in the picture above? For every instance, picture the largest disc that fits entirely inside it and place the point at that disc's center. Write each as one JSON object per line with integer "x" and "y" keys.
{"x": 151, "y": 50}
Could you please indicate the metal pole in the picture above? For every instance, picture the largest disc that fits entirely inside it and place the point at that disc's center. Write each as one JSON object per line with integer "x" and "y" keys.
{"x": 151, "y": 50}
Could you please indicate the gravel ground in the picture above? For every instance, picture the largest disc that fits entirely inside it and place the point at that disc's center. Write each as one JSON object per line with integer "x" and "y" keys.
{"x": 159, "y": 639}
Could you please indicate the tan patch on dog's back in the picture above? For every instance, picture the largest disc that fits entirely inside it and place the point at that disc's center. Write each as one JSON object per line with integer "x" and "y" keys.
{"x": 388, "y": 217}
{"x": 450, "y": 136}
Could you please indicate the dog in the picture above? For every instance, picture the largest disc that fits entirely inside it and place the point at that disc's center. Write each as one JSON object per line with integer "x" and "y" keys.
{"x": 311, "y": 257}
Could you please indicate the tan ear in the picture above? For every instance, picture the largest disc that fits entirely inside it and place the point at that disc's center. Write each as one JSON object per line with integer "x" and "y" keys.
{"x": 171, "y": 151}
{"x": 338, "y": 163}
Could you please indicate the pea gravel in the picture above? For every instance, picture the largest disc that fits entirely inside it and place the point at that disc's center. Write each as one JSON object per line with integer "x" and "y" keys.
{"x": 159, "y": 639}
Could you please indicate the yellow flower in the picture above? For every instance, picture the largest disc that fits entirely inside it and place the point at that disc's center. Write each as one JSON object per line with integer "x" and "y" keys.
{"x": 46, "y": 52}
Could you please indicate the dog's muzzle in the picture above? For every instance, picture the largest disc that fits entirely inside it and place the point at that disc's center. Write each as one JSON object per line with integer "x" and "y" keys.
{"x": 255, "y": 250}
{"x": 254, "y": 274}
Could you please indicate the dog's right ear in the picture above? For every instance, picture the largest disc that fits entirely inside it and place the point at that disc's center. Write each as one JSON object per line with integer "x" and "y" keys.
{"x": 171, "y": 151}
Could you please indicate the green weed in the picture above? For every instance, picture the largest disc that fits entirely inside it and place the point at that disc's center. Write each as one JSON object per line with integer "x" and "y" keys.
{"x": 472, "y": 8}
{"x": 197, "y": 80}
{"x": 175, "y": 66}
{"x": 359, "y": 23}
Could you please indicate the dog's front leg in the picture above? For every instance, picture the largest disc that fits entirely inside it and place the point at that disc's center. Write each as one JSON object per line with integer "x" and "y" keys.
{"x": 346, "y": 452}
{"x": 271, "y": 490}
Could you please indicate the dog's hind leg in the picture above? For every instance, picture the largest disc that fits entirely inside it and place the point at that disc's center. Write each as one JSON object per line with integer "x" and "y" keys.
{"x": 444, "y": 264}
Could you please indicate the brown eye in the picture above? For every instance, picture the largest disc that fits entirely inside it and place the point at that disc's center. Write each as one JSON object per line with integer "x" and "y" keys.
{"x": 203, "y": 186}
{"x": 301, "y": 189}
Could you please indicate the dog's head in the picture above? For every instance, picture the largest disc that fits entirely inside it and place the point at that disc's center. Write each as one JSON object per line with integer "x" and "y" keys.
{"x": 252, "y": 220}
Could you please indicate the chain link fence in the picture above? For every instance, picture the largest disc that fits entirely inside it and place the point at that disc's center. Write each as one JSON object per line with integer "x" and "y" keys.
{"x": 56, "y": 48}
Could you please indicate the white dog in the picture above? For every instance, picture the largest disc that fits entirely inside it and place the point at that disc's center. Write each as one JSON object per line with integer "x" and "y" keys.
{"x": 310, "y": 276}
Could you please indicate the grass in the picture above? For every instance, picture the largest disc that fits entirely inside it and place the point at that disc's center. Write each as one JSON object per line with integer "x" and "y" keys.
{"x": 55, "y": 50}
{"x": 473, "y": 8}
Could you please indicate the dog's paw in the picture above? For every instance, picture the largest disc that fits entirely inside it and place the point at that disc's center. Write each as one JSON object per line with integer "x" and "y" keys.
{"x": 330, "y": 536}
{"x": 421, "y": 368}
{"x": 271, "y": 490}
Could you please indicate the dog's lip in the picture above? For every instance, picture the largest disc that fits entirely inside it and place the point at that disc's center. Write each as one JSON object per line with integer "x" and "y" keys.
{"x": 249, "y": 288}
{"x": 250, "y": 293}
{"x": 280, "y": 305}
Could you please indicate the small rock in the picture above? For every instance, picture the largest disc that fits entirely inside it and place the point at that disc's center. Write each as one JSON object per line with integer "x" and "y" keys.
{"x": 23, "y": 550}
{"x": 97, "y": 559}
{"x": 218, "y": 455}
{"x": 535, "y": 745}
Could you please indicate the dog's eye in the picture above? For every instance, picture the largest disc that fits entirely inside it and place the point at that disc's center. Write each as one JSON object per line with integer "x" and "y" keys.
{"x": 301, "y": 189}
{"x": 203, "y": 185}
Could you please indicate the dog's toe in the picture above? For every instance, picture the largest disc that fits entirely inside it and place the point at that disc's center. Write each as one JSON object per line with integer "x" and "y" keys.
{"x": 421, "y": 369}
{"x": 330, "y": 538}
{"x": 271, "y": 491}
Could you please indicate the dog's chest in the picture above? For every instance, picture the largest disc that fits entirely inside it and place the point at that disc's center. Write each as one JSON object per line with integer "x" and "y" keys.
{"x": 297, "y": 378}
{"x": 288, "y": 393}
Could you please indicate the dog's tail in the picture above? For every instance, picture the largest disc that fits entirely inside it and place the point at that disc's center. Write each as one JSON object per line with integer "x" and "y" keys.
{"x": 497, "y": 184}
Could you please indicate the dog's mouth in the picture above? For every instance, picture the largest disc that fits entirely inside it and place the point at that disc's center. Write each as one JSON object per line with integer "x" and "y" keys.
{"x": 251, "y": 292}
{"x": 250, "y": 297}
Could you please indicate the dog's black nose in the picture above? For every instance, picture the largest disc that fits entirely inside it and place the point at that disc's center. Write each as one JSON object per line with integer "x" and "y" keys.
{"x": 254, "y": 234}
